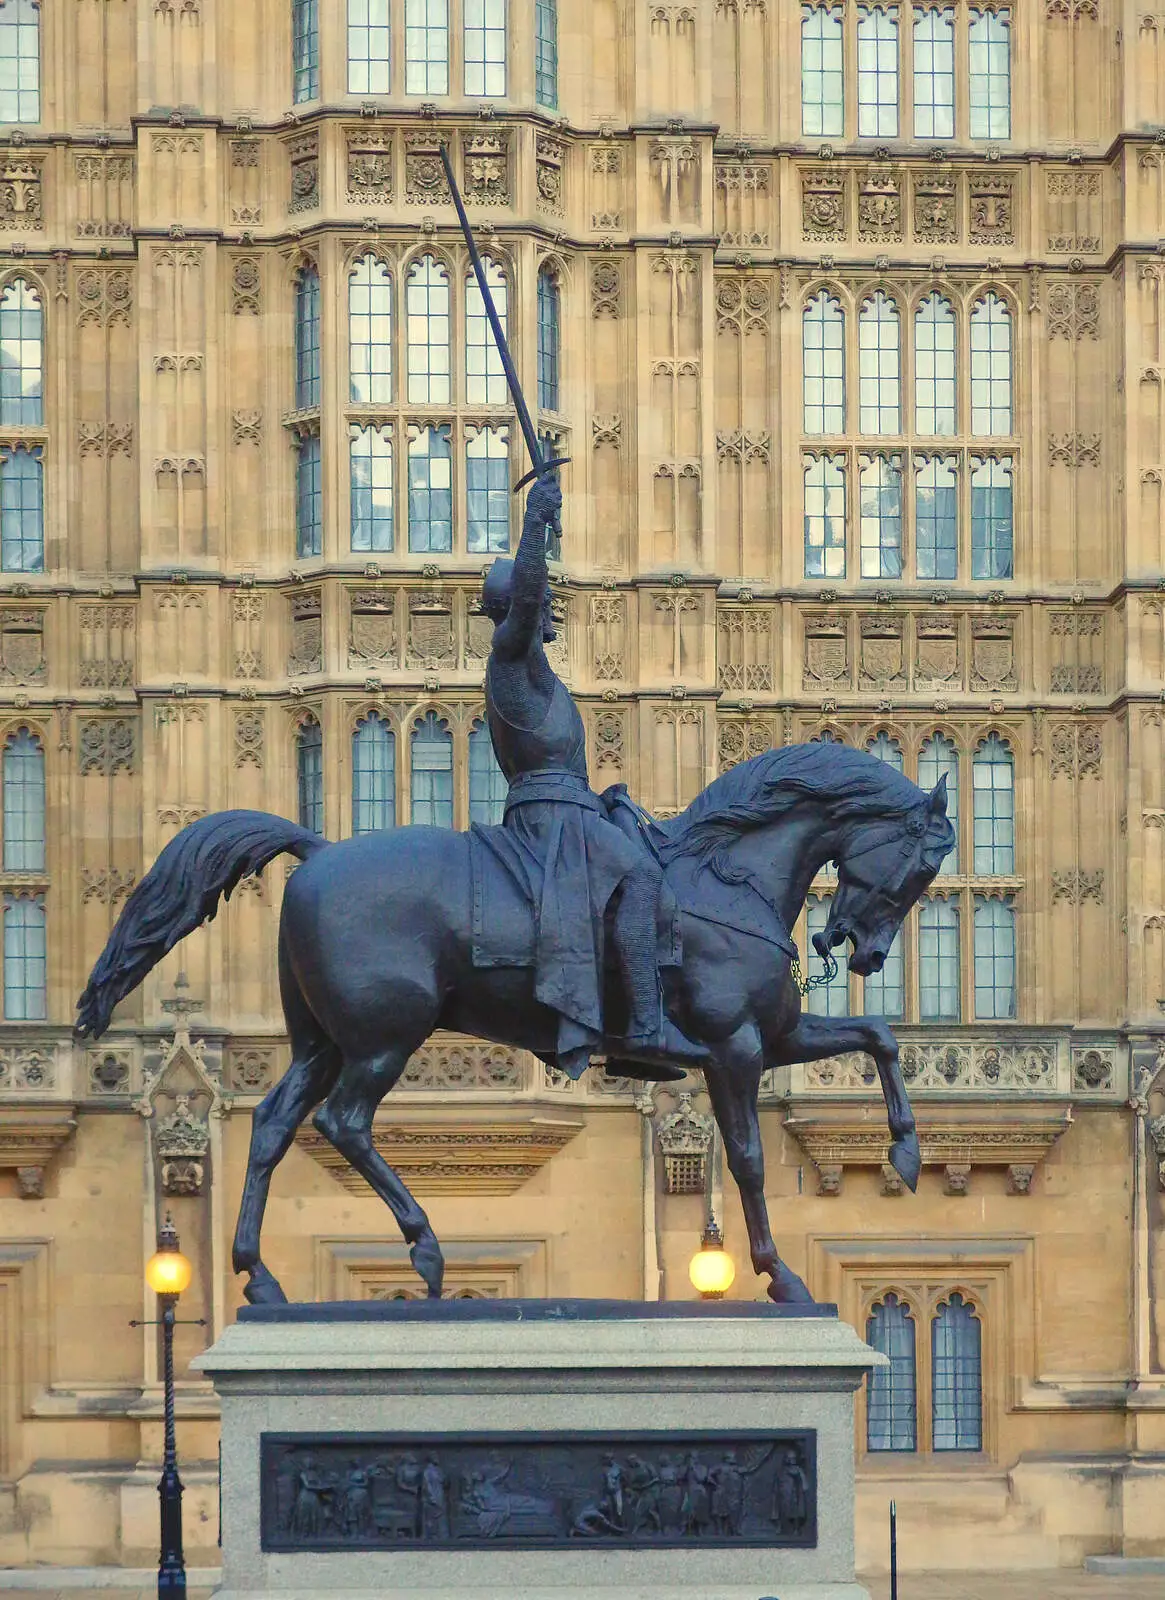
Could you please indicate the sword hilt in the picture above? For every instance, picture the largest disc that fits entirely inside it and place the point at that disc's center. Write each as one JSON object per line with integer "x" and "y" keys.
{"x": 543, "y": 471}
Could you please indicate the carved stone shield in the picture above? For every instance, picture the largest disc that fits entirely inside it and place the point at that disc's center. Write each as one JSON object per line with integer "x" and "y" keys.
{"x": 938, "y": 659}
{"x": 882, "y": 657}
{"x": 431, "y": 635}
{"x": 372, "y": 636}
{"x": 826, "y": 658}
{"x": 995, "y": 661}
{"x": 22, "y": 655}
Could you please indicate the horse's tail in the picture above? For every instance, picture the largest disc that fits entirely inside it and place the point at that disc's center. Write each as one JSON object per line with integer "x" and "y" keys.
{"x": 180, "y": 891}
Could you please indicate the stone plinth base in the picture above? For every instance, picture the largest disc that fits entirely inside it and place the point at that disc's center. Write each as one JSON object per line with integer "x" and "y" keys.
{"x": 512, "y": 1450}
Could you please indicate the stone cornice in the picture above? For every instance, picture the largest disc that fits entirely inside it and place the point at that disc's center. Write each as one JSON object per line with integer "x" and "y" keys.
{"x": 30, "y": 1136}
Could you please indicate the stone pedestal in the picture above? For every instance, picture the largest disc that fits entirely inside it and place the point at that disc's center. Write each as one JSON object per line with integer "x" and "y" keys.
{"x": 523, "y": 1450}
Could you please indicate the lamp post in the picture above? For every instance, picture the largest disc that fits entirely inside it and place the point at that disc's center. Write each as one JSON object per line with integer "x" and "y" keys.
{"x": 712, "y": 1269}
{"x": 168, "y": 1274}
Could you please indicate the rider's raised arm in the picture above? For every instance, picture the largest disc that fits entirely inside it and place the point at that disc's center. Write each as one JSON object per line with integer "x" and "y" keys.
{"x": 530, "y": 577}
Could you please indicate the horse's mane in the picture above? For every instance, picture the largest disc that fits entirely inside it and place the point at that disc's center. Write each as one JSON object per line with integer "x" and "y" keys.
{"x": 848, "y": 784}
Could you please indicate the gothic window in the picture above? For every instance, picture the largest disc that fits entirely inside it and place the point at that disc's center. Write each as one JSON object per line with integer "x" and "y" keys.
{"x": 485, "y": 48}
{"x": 21, "y": 356}
{"x": 426, "y": 46}
{"x": 373, "y": 775}
{"x": 881, "y": 517}
{"x": 20, "y": 61}
{"x": 879, "y": 365}
{"x": 549, "y": 340}
{"x": 369, "y": 47}
{"x": 546, "y": 53}
{"x": 309, "y": 775}
{"x": 891, "y": 1408}
{"x": 827, "y": 999}
{"x": 938, "y": 961}
{"x": 430, "y": 490}
{"x": 24, "y": 803}
{"x": 305, "y": 48}
{"x": 936, "y": 509}
{"x": 309, "y": 499}
{"x": 428, "y": 312}
{"x": 487, "y": 490}
{"x": 432, "y": 772}
{"x": 371, "y": 466}
{"x": 487, "y": 782}
{"x": 370, "y": 332}
{"x": 886, "y": 990}
{"x": 822, "y": 72}
{"x": 307, "y": 339}
{"x": 934, "y": 73}
{"x": 883, "y": 748}
{"x": 990, "y": 367}
{"x": 956, "y": 1377}
{"x": 877, "y": 72}
{"x": 934, "y": 366}
{"x": 21, "y": 509}
{"x": 937, "y": 759}
{"x": 992, "y": 532}
{"x": 823, "y": 365}
{"x": 989, "y": 39}
{"x": 994, "y": 959}
{"x": 825, "y": 516}
{"x": 993, "y": 812}
{"x": 24, "y": 958}
{"x": 485, "y": 377}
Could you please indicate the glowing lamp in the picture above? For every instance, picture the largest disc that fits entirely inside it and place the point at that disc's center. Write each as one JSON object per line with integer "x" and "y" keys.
{"x": 168, "y": 1271}
{"x": 712, "y": 1269}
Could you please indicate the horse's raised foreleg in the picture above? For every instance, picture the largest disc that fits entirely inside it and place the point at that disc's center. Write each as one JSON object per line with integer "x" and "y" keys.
{"x": 733, "y": 1085}
{"x": 345, "y": 1119}
{"x": 814, "y": 1038}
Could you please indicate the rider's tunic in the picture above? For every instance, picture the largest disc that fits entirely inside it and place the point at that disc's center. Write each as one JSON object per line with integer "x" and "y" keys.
{"x": 558, "y": 841}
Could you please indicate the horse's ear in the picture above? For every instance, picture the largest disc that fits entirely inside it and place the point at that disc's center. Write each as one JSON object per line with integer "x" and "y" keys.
{"x": 938, "y": 798}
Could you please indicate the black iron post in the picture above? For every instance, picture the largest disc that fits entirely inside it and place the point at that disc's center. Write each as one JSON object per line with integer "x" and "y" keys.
{"x": 893, "y": 1551}
{"x": 171, "y": 1565}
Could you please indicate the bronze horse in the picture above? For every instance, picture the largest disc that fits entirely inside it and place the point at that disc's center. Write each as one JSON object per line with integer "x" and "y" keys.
{"x": 375, "y": 953}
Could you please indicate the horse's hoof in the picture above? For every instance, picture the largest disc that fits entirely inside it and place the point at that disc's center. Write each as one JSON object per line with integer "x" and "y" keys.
{"x": 787, "y": 1289}
{"x": 263, "y": 1289}
{"x": 429, "y": 1263}
{"x": 906, "y": 1159}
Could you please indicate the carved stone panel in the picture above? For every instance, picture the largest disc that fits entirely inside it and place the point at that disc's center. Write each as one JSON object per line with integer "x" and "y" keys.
{"x": 993, "y": 664}
{"x": 608, "y": 637}
{"x": 324, "y": 1492}
{"x": 371, "y": 627}
{"x": 307, "y": 638}
{"x": 247, "y": 607}
{"x": 1073, "y": 204}
{"x": 883, "y": 661}
{"x": 487, "y": 168}
{"x": 824, "y": 203}
{"x": 936, "y": 652}
{"x": 424, "y": 173}
{"x": 745, "y": 648}
{"x": 430, "y": 637}
{"x": 992, "y": 208}
{"x": 741, "y": 738}
{"x": 550, "y": 161}
{"x": 880, "y": 206}
{"x": 1077, "y": 651}
{"x": 370, "y": 161}
{"x": 22, "y": 658}
{"x": 827, "y": 658}
{"x": 21, "y": 200}
{"x": 304, "y": 156}
{"x": 936, "y": 207}
{"x": 105, "y": 187}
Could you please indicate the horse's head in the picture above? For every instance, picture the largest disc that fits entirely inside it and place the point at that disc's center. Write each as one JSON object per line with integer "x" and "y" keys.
{"x": 883, "y": 866}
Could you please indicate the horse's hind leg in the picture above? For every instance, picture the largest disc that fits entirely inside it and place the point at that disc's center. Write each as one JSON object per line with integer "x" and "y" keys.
{"x": 345, "y": 1119}
{"x": 315, "y": 1064}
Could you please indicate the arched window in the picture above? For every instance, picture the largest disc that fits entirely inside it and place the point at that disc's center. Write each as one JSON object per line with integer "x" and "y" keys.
{"x": 24, "y": 958}
{"x": 936, "y": 510}
{"x": 485, "y": 48}
{"x": 990, "y": 367}
{"x": 956, "y": 1377}
{"x": 549, "y": 340}
{"x": 373, "y": 775}
{"x": 825, "y": 516}
{"x": 426, "y": 46}
{"x": 430, "y": 489}
{"x": 822, "y": 72}
{"x": 938, "y": 961}
{"x": 989, "y": 40}
{"x": 21, "y": 509}
{"x": 369, "y": 47}
{"x": 427, "y": 306}
{"x": 309, "y": 775}
{"x": 823, "y": 365}
{"x": 307, "y": 339}
{"x": 879, "y": 365}
{"x": 485, "y": 377}
{"x": 993, "y": 812}
{"x": 432, "y": 772}
{"x": 487, "y": 782}
{"x": 891, "y": 1410}
{"x": 934, "y": 367}
{"x": 305, "y": 50}
{"x": 828, "y": 999}
{"x": 21, "y": 356}
{"x": 370, "y": 332}
{"x": 24, "y": 803}
{"x": 881, "y": 517}
{"x": 309, "y": 498}
{"x": 20, "y": 61}
{"x": 877, "y": 72}
{"x": 883, "y": 748}
{"x": 546, "y": 53}
{"x": 994, "y": 959}
{"x": 937, "y": 759}
{"x": 370, "y": 457}
{"x": 487, "y": 489}
{"x": 992, "y": 528}
{"x": 934, "y": 73}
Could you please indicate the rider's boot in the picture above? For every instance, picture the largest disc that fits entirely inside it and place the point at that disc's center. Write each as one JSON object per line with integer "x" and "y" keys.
{"x": 651, "y": 1034}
